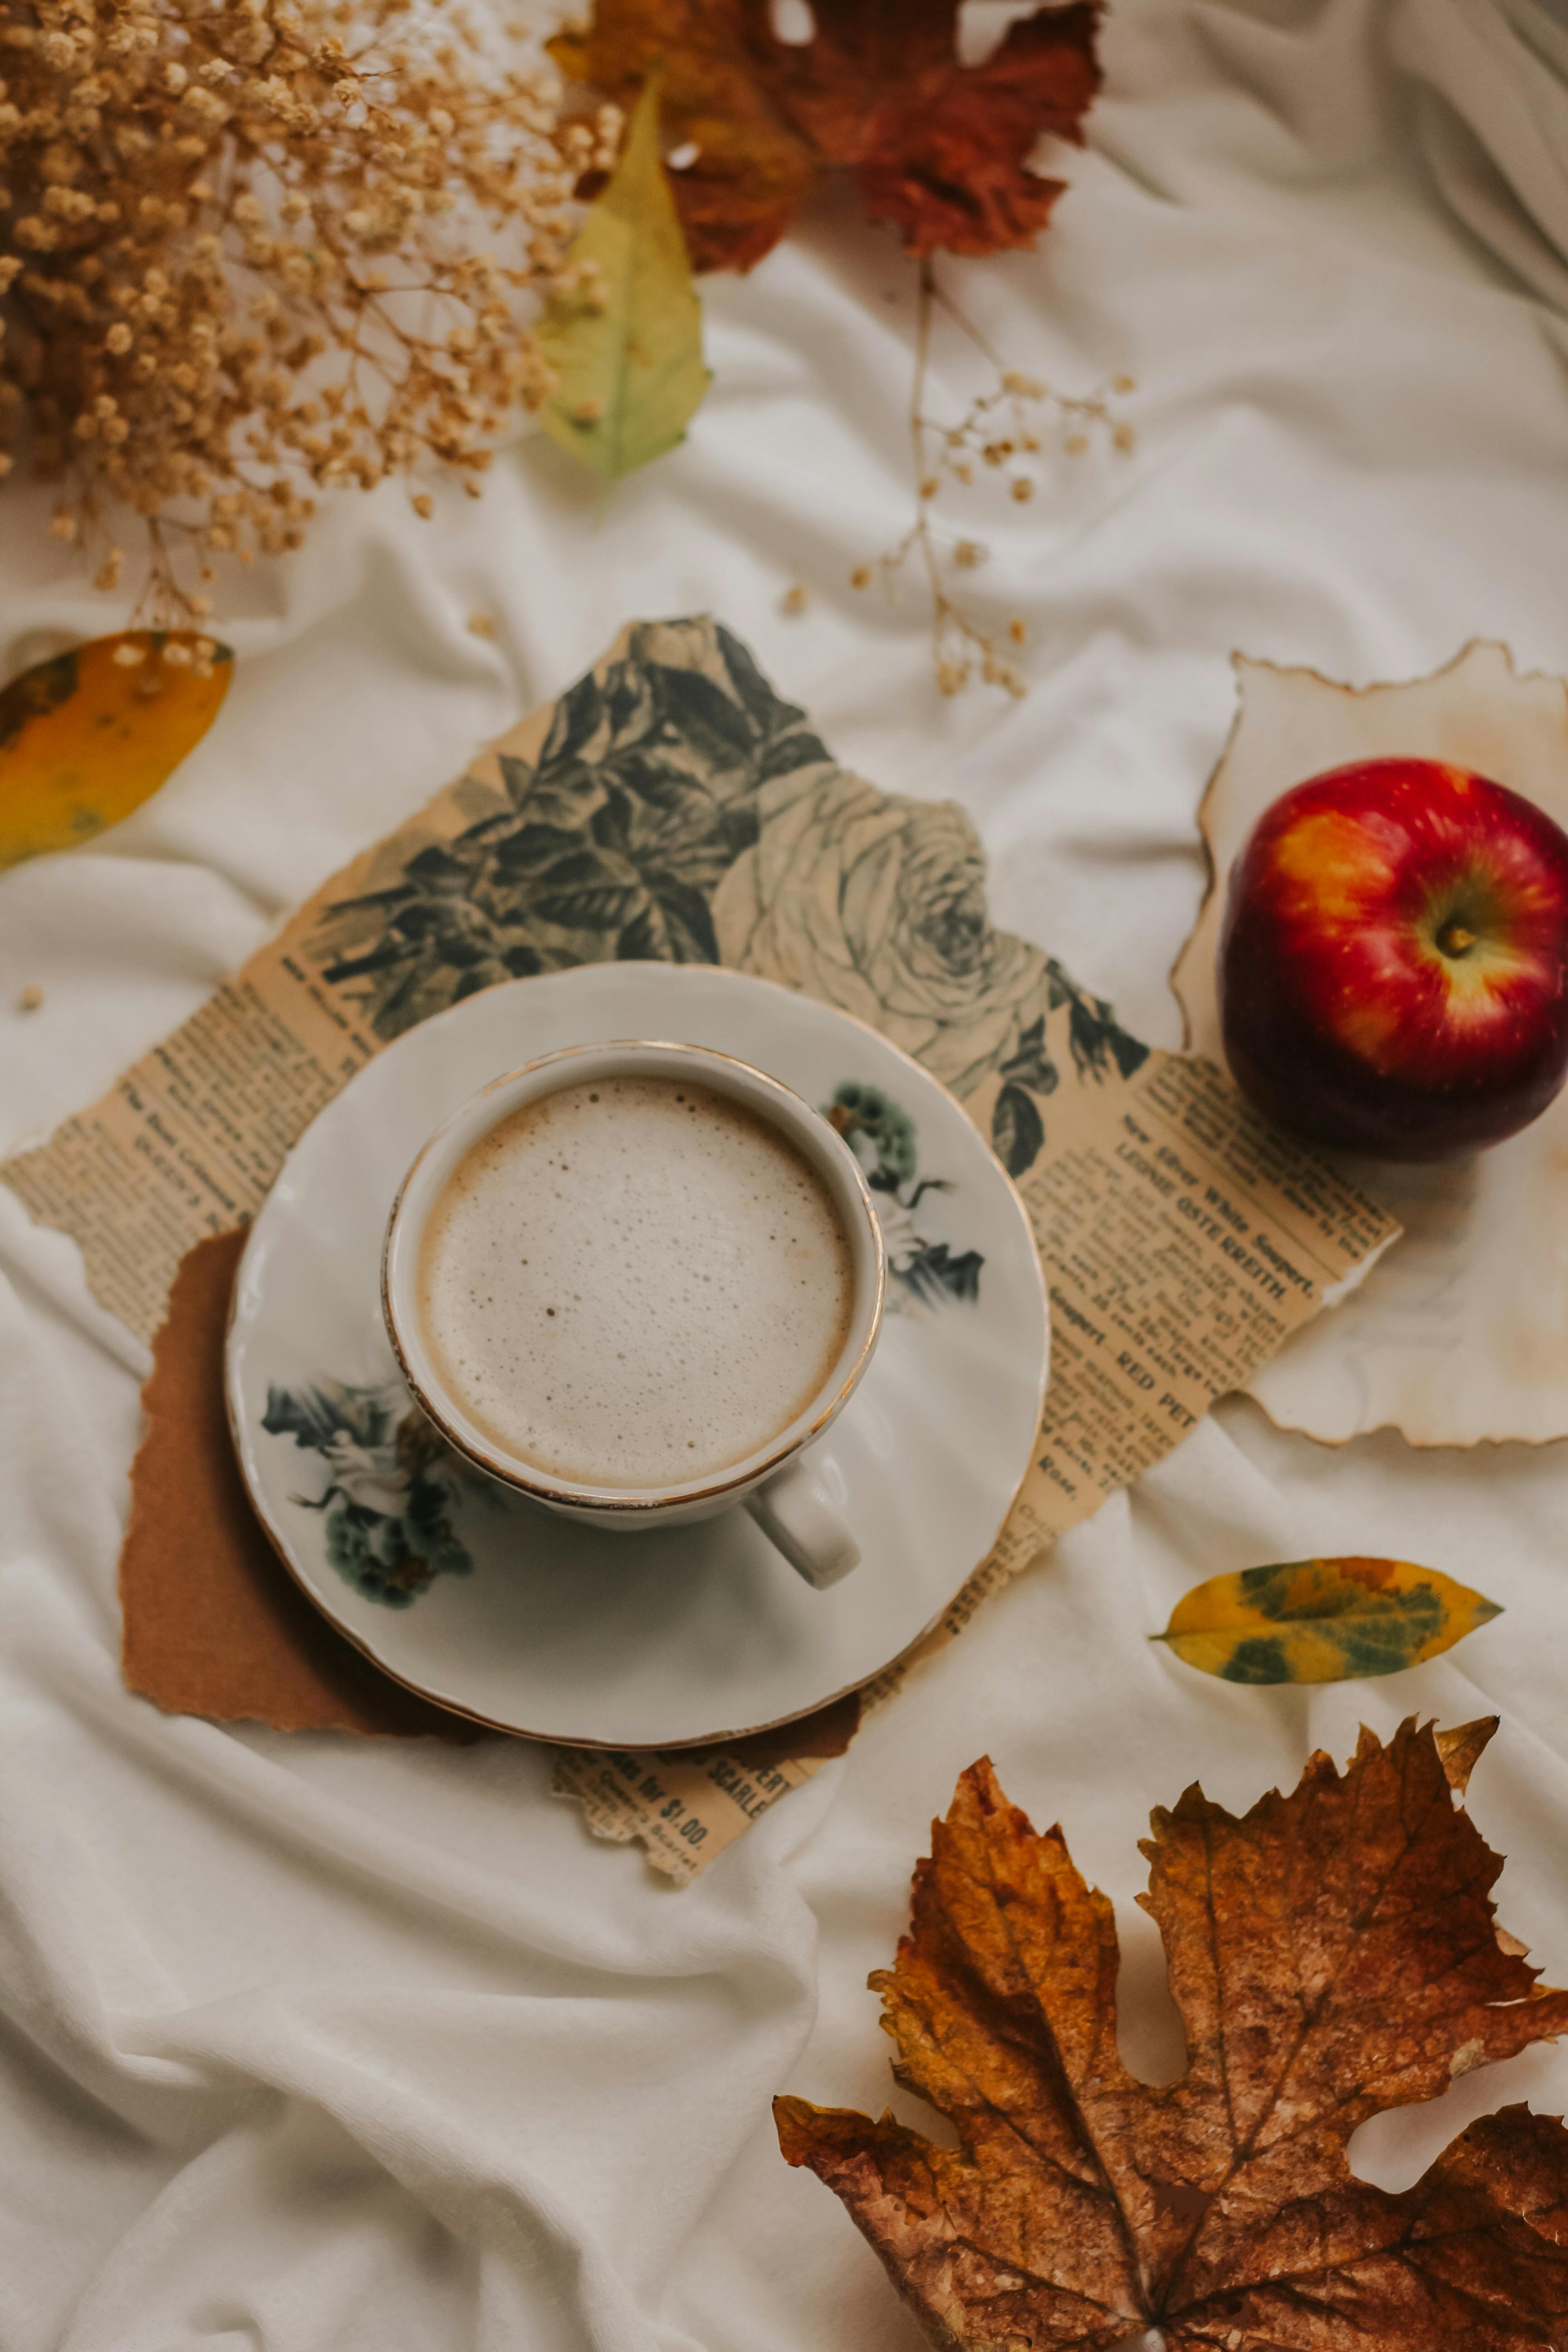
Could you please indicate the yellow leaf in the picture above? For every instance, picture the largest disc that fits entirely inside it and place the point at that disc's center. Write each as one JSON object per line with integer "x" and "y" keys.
{"x": 87, "y": 737}
{"x": 627, "y": 344}
{"x": 1323, "y": 1621}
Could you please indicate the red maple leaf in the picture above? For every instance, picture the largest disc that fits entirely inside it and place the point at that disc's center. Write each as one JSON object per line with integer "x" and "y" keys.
{"x": 940, "y": 149}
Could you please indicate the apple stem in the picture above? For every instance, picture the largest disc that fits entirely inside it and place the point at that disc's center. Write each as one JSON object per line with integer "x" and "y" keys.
{"x": 1454, "y": 940}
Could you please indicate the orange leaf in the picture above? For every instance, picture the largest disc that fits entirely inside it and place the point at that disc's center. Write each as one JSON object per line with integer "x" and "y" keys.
{"x": 939, "y": 150}
{"x": 1333, "y": 1953}
{"x": 85, "y": 738}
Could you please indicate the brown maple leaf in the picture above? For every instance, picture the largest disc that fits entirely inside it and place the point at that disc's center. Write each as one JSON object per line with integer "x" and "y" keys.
{"x": 1333, "y": 1953}
{"x": 940, "y": 149}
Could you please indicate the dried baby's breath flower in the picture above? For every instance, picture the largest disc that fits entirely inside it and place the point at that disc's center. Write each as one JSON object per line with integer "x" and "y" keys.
{"x": 250, "y": 251}
{"x": 999, "y": 428}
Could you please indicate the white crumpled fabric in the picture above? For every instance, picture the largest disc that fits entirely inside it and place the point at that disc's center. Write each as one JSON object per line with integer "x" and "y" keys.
{"x": 1490, "y": 79}
{"x": 314, "y": 2044}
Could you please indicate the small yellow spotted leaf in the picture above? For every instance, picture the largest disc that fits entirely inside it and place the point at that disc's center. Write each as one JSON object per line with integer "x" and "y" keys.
{"x": 1323, "y": 1621}
{"x": 89, "y": 735}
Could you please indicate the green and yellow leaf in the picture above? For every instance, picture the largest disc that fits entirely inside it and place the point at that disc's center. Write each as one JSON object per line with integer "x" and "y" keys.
{"x": 627, "y": 343}
{"x": 89, "y": 735}
{"x": 1323, "y": 1621}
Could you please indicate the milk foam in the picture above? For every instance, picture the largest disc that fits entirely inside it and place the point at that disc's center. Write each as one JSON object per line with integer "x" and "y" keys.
{"x": 633, "y": 1282}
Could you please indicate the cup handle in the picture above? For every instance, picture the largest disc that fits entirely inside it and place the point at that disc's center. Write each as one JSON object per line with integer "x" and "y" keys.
{"x": 794, "y": 1513}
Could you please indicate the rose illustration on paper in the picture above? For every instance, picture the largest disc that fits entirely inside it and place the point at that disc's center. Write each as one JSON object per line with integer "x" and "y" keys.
{"x": 877, "y": 904}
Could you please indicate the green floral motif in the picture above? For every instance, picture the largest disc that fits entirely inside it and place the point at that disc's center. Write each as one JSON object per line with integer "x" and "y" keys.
{"x": 886, "y": 1142}
{"x": 882, "y": 1132}
{"x": 1097, "y": 1043}
{"x": 680, "y": 809}
{"x": 1095, "y": 1037}
{"x": 610, "y": 844}
{"x": 394, "y": 1489}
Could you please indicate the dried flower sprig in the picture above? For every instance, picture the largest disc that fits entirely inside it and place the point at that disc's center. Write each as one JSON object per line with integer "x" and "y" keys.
{"x": 1005, "y": 430}
{"x": 238, "y": 264}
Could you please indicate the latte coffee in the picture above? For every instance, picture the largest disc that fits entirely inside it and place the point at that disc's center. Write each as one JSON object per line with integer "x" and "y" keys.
{"x": 633, "y": 1282}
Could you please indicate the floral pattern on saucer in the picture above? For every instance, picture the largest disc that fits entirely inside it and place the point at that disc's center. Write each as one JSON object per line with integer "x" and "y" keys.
{"x": 600, "y": 1636}
{"x": 886, "y": 1142}
{"x": 394, "y": 1491}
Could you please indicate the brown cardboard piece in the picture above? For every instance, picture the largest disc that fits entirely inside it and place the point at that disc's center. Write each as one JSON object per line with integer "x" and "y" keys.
{"x": 215, "y": 1625}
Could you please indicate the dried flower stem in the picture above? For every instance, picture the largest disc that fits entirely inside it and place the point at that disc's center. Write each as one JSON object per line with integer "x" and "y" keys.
{"x": 1001, "y": 429}
{"x": 238, "y": 264}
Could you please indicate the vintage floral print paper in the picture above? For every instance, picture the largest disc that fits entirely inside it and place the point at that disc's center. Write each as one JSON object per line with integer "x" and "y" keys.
{"x": 680, "y": 809}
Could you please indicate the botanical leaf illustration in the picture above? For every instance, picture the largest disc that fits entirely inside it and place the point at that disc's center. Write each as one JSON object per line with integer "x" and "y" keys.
{"x": 1094, "y": 1034}
{"x": 1030, "y": 1064}
{"x": 611, "y": 844}
{"x": 940, "y": 149}
{"x": 86, "y": 737}
{"x": 1098, "y": 1044}
{"x": 627, "y": 346}
{"x": 1333, "y": 1953}
{"x": 1323, "y": 1621}
{"x": 1018, "y": 1130}
{"x": 680, "y": 809}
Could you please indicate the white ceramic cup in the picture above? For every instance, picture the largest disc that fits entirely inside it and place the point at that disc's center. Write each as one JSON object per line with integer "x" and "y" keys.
{"x": 775, "y": 1484}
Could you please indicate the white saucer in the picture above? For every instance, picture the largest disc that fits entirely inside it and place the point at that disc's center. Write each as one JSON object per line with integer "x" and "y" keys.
{"x": 508, "y": 1613}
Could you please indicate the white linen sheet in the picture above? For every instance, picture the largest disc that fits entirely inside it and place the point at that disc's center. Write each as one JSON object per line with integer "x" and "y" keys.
{"x": 314, "y": 2044}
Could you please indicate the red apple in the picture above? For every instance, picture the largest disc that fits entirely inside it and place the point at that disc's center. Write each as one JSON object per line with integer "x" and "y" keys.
{"x": 1393, "y": 965}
